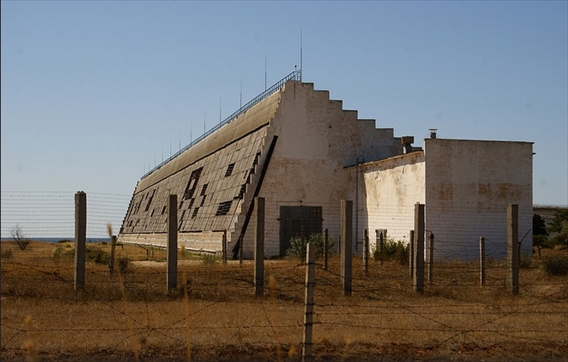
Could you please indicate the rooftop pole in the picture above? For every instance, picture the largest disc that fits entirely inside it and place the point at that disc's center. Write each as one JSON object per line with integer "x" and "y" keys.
{"x": 300, "y": 55}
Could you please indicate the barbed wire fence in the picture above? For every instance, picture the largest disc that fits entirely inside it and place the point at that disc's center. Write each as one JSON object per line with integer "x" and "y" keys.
{"x": 213, "y": 311}
{"x": 52, "y": 214}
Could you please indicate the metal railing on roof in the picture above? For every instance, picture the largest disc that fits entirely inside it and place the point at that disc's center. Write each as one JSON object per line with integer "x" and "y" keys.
{"x": 295, "y": 75}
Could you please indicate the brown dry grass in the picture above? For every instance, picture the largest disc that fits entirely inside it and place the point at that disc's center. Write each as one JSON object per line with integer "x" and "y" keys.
{"x": 216, "y": 316}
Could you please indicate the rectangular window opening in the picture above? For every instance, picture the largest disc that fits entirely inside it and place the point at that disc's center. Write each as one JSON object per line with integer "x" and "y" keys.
{"x": 230, "y": 169}
{"x": 192, "y": 183}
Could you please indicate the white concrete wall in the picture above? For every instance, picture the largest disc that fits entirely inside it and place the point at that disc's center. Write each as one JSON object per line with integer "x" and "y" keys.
{"x": 385, "y": 193}
{"x": 316, "y": 140}
{"x": 469, "y": 185}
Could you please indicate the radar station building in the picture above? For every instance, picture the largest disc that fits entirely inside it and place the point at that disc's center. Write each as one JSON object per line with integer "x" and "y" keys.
{"x": 303, "y": 153}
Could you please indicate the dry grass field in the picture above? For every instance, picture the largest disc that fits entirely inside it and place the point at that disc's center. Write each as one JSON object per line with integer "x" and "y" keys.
{"x": 214, "y": 316}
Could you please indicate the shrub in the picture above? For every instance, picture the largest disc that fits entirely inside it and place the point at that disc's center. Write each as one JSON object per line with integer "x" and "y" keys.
{"x": 63, "y": 241}
{"x": 393, "y": 250}
{"x": 556, "y": 265}
{"x": 7, "y": 255}
{"x": 58, "y": 253}
{"x": 123, "y": 264}
{"x": 525, "y": 261}
{"x": 298, "y": 246}
{"x": 19, "y": 237}
{"x": 209, "y": 259}
{"x": 97, "y": 255}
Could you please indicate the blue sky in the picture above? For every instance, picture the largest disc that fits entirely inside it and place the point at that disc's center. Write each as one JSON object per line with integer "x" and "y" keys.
{"x": 95, "y": 93}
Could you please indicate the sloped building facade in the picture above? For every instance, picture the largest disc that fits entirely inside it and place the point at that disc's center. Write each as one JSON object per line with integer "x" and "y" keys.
{"x": 303, "y": 153}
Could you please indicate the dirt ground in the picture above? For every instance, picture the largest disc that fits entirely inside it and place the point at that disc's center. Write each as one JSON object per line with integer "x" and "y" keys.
{"x": 213, "y": 314}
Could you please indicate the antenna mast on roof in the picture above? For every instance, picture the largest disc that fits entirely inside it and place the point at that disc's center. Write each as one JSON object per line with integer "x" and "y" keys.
{"x": 300, "y": 55}
{"x": 264, "y": 73}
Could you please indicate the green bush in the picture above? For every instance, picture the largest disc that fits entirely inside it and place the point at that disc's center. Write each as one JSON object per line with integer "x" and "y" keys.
{"x": 393, "y": 250}
{"x": 97, "y": 255}
{"x": 62, "y": 241}
{"x": 209, "y": 259}
{"x": 298, "y": 246}
{"x": 556, "y": 265}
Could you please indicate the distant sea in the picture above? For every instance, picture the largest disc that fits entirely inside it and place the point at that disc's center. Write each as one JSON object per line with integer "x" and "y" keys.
{"x": 54, "y": 240}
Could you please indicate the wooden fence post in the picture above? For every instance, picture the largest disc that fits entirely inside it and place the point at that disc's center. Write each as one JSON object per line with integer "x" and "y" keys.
{"x": 309, "y": 300}
{"x": 346, "y": 246}
{"x": 172, "y": 246}
{"x": 80, "y": 239}
{"x": 418, "y": 280}
{"x": 481, "y": 261}
{"x": 513, "y": 248}
{"x": 259, "y": 248}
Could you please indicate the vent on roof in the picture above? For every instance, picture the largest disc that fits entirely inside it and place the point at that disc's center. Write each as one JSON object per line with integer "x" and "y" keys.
{"x": 433, "y": 133}
{"x": 224, "y": 208}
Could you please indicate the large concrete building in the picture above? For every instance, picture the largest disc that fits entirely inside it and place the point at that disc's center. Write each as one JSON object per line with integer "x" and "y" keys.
{"x": 304, "y": 153}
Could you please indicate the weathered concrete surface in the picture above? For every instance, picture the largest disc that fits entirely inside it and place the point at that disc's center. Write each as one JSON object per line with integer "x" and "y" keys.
{"x": 325, "y": 154}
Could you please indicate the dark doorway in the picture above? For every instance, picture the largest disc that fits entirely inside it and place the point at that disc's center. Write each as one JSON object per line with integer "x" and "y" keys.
{"x": 297, "y": 221}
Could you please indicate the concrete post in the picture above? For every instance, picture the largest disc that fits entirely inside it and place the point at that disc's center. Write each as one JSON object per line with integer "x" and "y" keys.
{"x": 112, "y": 253}
{"x": 241, "y": 249}
{"x": 325, "y": 248}
{"x": 381, "y": 245}
{"x": 309, "y": 301}
{"x": 80, "y": 239}
{"x": 418, "y": 278}
{"x": 259, "y": 248}
{"x": 377, "y": 236}
{"x": 481, "y": 261}
{"x": 411, "y": 253}
{"x": 431, "y": 258}
{"x": 366, "y": 252}
{"x": 346, "y": 245}
{"x": 513, "y": 248}
{"x": 172, "y": 247}
{"x": 224, "y": 247}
